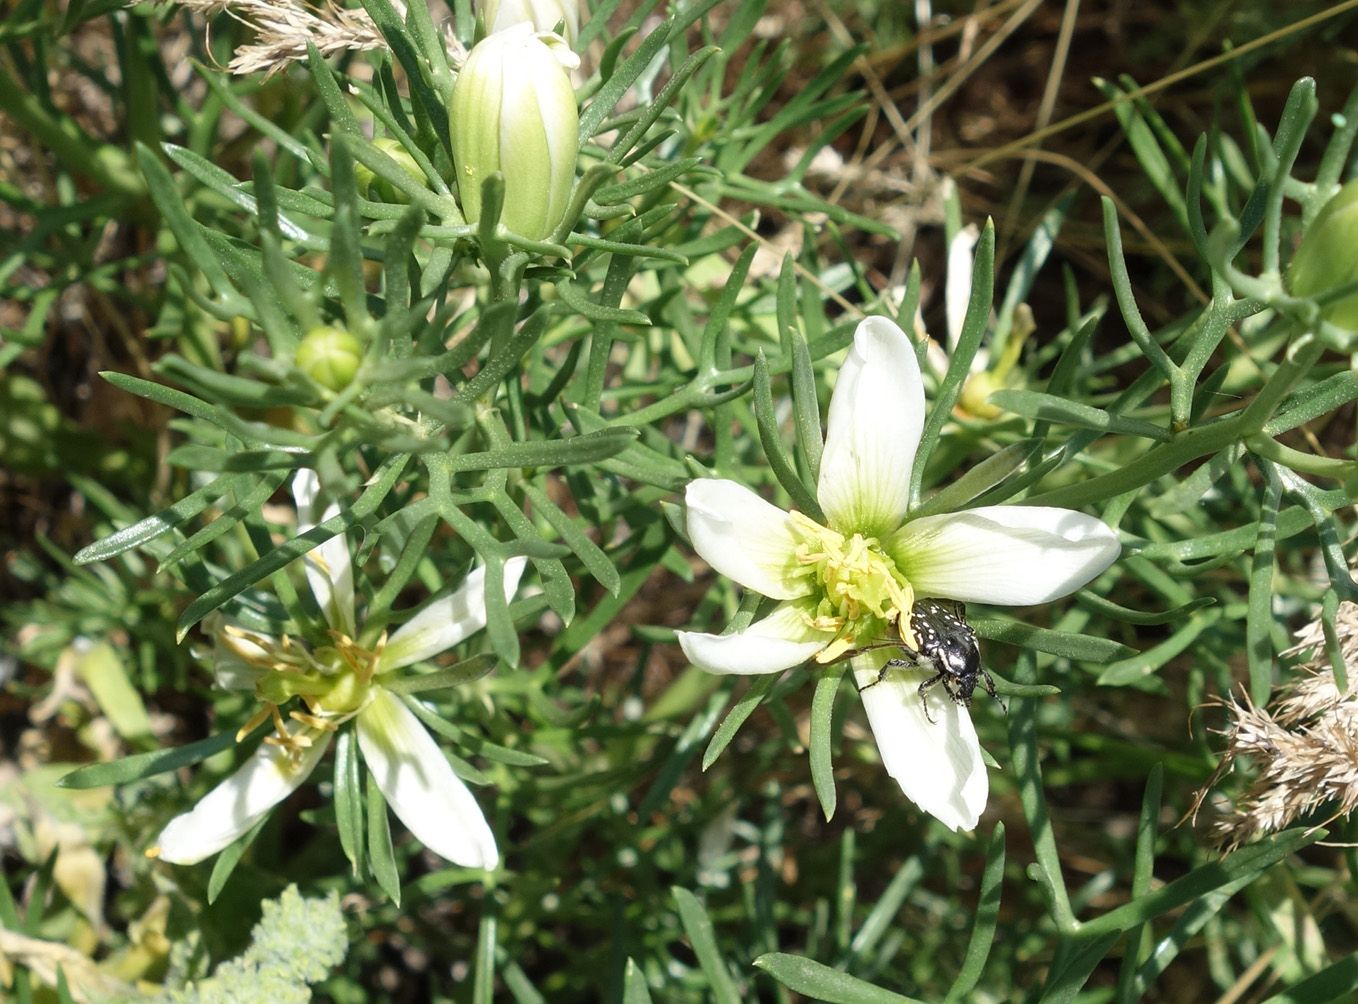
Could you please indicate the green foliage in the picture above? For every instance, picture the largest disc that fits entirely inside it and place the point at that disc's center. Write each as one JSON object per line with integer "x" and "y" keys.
{"x": 491, "y": 396}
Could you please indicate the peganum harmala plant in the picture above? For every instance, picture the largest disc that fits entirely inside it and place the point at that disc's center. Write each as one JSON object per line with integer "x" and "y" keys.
{"x": 469, "y": 397}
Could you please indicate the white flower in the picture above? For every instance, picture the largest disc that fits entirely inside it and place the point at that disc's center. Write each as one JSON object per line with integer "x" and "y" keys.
{"x": 842, "y": 586}
{"x": 338, "y": 683}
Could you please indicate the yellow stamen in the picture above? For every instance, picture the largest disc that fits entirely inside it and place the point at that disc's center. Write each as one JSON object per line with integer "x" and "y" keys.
{"x": 862, "y": 593}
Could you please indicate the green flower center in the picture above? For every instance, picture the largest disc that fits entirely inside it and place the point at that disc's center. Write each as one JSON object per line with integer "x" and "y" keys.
{"x": 860, "y": 592}
{"x": 334, "y": 682}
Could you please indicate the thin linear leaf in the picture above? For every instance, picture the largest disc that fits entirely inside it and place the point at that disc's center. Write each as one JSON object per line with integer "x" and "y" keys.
{"x": 703, "y": 937}
{"x": 777, "y": 457}
{"x": 144, "y": 765}
{"x": 162, "y": 522}
{"x": 736, "y": 717}
{"x": 821, "y": 983}
{"x": 1035, "y": 405}
{"x": 821, "y": 752}
{"x": 1079, "y": 647}
{"x": 349, "y": 800}
{"x": 381, "y": 856}
{"x": 576, "y": 299}
{"x": 228, "y": 859}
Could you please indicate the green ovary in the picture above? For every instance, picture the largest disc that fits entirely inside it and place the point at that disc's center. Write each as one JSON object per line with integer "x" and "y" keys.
{"x": 861, "y": 591}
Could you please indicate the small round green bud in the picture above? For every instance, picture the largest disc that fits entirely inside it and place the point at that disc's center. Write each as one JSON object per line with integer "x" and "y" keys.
{"x": 330, "y": 356}
{"x": 1328, "y": 256}
{"x": 513, "y": 110}
{"x": 372, "y": 185}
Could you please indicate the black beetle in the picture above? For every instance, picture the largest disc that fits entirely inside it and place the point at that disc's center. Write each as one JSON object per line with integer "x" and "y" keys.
{"x": 947, "y": 648}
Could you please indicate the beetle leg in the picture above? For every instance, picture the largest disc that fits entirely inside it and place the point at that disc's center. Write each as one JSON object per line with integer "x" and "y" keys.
{"x": 940, "y": 677}
{"x": 990, "y": 689}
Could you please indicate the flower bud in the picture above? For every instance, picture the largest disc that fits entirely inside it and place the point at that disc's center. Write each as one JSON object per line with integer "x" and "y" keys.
{"x": 513, "y": 111}
{"x": 543, "y": 15}
{"x": 1328, "y": 256}
{"x": 330, "y": 356}
{"x": 370, "y": 184}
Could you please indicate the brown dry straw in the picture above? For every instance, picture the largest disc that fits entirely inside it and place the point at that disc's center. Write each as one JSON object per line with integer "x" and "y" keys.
{"x": 1303, "y": 749}
{"x": 285, "y": 27}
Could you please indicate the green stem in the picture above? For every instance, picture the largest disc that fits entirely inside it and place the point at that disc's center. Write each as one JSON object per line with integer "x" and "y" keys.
{"x": 106, "y": 164}
{"x": 1306, "y": 463}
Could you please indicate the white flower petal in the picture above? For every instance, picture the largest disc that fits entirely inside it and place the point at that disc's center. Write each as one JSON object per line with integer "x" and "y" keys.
{"x": 778, "y": 642}
{"x": 938, "y": 764}
{"x": 329, "y": 570}
{"x": 957, "y": 290}
{"x": 873, "y": 430}
{"x": 1009, "y": 555}
{"x": 238, "y": 803}
{"x": 448, "y": 620}
{"x": 417, "y": 781}
{"x": 745, "y": 538}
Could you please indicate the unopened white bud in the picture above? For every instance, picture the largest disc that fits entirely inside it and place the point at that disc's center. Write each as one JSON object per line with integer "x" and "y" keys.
{"x": 543, "y": 15}
{"x": 513, "y": 110}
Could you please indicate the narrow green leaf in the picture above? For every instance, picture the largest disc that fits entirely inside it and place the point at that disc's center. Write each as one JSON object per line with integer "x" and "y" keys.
{"x": 1250, "y": 861}
{"x": 883, "y": 914}
{"x": 658, "y": 104}
{"x": 821, "y": 738}
{"x": 1064, "y": 984}
{"x": 634, "y": 989}
{"x": 349, "y": 799}
{"x": 736, "y": 717}
{"x": 381, "y": 856}
{"x": 587, "y": 448}
{"x": 1035, "y": 405}
{"x": 646, "y": 183}
{"x": 576, "y": 299}
{"x": 806, "y": 406}
{"x": 143, "y": 765}
{"x": 703, "y": 937}
{"x": 987, "y": 919}
{"x": 1079, "y": 647}
{"x": 1141, "y": 617}
{"x": 607, "y": 97}
{"x": 162, "y": 522}
{"x": 1259, "y": 617}
{"x": 770, "y": 439}
{"x": 165, "y": 194}
{"x": 978, "y": 479}
{"x": 1026, "y": 759}
{"x": 1143, "y": 870}
{"x": 1127, "y": 671}
{"x": 1189, "y": 492}
{"x": 1122, "y": 289}
{"x": 1335, "y": 982}
{"x": 327, "y": 85}
{"x": 821, "y": 983}
{"x": 229, "y": 858}
{"x": 589, "y": 553}
{"x": 483, "y": 973}
{"x": 208, "y": 458}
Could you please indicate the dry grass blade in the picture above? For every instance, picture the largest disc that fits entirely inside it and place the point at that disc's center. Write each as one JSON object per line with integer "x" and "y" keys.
{"x": 1304, "y": 751}
{"x": 286, "y": 26}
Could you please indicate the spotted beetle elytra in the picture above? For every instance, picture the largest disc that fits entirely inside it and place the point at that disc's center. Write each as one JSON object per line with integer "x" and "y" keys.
{"x": 947, "y": 648}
